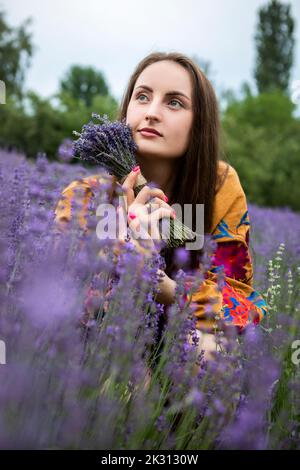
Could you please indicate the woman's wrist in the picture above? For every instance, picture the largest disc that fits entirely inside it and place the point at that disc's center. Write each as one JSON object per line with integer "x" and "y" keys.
{"x": 167, "y": 287}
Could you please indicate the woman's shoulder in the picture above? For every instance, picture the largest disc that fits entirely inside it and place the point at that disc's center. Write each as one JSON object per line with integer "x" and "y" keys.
{"x": 227, "y": 174}
{"x": 88, "y": 183}
{"x": 81, "y": 190}
{"x": 229, "y": 185}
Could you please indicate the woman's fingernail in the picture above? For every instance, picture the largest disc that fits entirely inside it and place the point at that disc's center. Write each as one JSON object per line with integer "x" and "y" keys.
{"x": 166, "y": 198}
{"x": 136, "y": 169}
{"x": 174, "y": 214}
{"x": 131, "y": 215}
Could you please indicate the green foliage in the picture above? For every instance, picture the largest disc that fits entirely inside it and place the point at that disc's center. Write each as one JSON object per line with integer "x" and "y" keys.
{"x": 275, "y": 47}
{"x": 32, "y": 124}
{"x": 83, "y": 84}
{"x": 262, "y": 141}
{"x": 16, "y": 50}
{"x": 36, "y": 125}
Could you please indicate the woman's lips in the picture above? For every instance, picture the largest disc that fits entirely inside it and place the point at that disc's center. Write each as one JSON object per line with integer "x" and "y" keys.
{"x": 149, "y": 134}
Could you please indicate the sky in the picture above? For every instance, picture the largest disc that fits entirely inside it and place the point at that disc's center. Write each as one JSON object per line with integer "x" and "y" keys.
{"x": 114, "y": 35}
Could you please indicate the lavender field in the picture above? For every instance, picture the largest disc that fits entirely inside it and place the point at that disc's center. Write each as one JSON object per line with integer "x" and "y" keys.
{"x": 82, "y": 368}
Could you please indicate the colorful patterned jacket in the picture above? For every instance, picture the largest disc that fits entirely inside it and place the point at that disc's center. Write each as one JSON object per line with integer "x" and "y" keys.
{"x": 238, "y": 303}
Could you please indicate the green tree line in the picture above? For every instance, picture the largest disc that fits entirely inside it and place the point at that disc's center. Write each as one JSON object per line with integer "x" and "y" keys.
{"x": 260, "y": 132}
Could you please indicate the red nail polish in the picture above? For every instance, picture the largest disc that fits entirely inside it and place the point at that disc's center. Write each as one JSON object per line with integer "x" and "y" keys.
{"x": 166, "y": 198}
{"x": 136, "y": 168}
{"x": 131, "y": 215}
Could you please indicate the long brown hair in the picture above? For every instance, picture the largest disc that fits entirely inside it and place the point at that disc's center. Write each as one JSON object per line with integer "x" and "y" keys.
{"x": 197, "y": 179}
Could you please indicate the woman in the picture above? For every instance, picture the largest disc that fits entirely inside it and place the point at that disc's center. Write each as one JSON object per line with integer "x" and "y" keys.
{"x": 169, "y": 95}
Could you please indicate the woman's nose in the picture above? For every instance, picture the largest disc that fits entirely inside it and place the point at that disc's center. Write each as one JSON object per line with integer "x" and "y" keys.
{"x": 153, "y": 111}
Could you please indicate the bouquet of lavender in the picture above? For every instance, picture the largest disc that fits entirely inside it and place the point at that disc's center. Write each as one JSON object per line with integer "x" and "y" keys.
{"x": 111, "y": 145}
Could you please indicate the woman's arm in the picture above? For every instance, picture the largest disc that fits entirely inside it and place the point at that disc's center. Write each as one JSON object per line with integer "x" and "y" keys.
{"x": 167, "y": 288}
{"x": 236, "y": 302}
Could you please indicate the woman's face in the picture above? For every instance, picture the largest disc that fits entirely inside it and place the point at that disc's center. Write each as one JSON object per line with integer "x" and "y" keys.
{"x": 162, "y": 100}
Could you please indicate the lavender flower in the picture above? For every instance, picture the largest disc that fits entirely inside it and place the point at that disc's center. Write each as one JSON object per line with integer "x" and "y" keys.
{"x": 65, "y": 151}
{"x": 78, "y": 358}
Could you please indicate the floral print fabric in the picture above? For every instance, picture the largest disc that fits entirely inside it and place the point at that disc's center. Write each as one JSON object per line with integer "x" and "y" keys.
{"x": 236, "y": 302}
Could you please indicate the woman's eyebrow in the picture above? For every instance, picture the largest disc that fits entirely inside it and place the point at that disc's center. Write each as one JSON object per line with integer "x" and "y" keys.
{"x": 170, "y": 93}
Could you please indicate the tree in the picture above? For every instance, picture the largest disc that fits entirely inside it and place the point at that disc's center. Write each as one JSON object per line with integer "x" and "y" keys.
{"x": 261, "y": 139}
{"x": 275, "y": 41}
{"x": 83, "y": 83}
{"x": 34, "y": 125}
{"x": 16, "y": 49}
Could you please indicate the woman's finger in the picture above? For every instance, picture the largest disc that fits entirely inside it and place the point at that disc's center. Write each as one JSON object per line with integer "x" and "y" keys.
{"x": 133, "y": 222}
{"x": 139, "y": 231}
{"x": 156, "y": 203}
{"x": 163, "y": 212}
{"x": 147, "y": 193}
{"x": 155, "y": 217}
{"x": 128, "y": 186}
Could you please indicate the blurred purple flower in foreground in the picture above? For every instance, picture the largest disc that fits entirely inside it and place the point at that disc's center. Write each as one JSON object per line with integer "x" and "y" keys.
{"x": 65, "y": 151}
{"x": 86, "y": 351}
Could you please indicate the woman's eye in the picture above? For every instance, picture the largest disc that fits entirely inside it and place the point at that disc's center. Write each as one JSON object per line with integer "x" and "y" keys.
{"x": 138, "y": 97}
{"x": 176, "y": 101}
{"x": 171, "y": 101}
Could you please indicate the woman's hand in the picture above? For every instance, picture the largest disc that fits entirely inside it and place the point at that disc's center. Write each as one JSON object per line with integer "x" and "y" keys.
{"x": 167, "y": 288}
{"x": 144, "y": 226}
{"x": 143, "y": 223}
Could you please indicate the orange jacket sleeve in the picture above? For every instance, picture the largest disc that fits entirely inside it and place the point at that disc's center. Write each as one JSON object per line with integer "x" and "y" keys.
{"x": 74, "y": 204}
{"x": 75, "y": 201}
